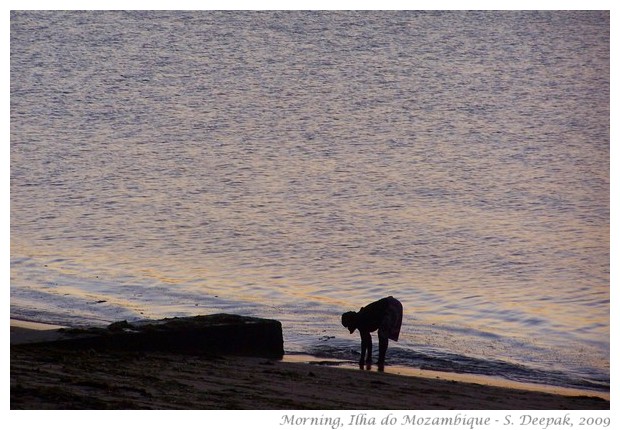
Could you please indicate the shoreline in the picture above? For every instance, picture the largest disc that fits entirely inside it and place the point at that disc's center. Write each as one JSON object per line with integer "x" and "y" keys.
{"x": 494, "y": 381}
{"x": 43, "y": 377}
{"x": 23, "y": 331}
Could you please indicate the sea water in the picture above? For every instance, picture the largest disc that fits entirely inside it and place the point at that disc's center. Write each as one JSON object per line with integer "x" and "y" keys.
{"x": 297, "y": 165}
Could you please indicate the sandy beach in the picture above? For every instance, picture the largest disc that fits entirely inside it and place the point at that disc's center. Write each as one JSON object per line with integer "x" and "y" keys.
{"x": 44, "y": 376}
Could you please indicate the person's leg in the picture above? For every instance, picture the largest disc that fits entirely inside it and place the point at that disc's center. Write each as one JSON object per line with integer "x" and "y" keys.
{"x": 366, "y": 352}
{"x": 383, "y": 345}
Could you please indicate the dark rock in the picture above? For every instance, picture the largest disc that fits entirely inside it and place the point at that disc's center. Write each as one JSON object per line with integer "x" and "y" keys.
{"x": 119, "y": 326}
{"x": 203, "y": 334}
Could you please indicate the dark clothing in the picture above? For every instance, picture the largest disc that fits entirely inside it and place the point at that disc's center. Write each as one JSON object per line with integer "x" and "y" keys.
{"x": 385, "y": 315}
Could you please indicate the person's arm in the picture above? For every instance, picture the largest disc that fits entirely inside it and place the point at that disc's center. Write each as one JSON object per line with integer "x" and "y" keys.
{"x": 366, "y": 348}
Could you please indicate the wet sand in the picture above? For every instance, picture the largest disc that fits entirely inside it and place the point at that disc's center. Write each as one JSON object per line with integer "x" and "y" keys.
{"x": 46, "y": 377}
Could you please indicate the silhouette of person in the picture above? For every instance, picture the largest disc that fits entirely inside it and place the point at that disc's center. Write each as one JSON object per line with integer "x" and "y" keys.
{"x": 386, "y": 316}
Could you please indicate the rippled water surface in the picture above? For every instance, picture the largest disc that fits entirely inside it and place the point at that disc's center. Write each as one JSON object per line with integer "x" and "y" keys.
{"x": 295, "y": 165}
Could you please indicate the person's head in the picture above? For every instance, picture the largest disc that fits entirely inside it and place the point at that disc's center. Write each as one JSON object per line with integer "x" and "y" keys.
{"x": 349, "y": 320}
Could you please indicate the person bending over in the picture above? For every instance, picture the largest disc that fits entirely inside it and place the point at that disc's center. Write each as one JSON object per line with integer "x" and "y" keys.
{"x": 386, "y": 316}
